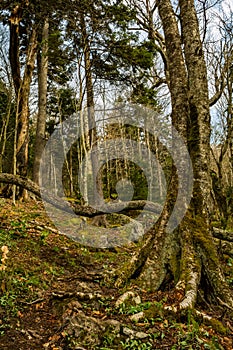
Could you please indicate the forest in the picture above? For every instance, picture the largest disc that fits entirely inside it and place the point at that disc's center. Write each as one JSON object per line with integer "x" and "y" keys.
{"x": 116, "y": 174}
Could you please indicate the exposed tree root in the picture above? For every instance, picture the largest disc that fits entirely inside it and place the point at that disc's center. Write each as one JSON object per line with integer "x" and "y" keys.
{"x": 223, "y": 235}
{"x": 196, "y": 258}
{"x": 173, "y": 311}
{"x": 138, "y": 259}
{"x": 187, "y": 253}
{"x": 190, "y": 275}
{"x": 201, "y": 259}
{"x": 212, "y": 268}
{"x": 79, "y": 295}
{"x": 227, "y": 248}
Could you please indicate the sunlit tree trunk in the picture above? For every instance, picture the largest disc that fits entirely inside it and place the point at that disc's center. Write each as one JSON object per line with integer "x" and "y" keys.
{"x": 22, "y": 85}
{"x": 97, "y": 193}
{"x": 42, "y": 62}
{"x": 189, "y": 253}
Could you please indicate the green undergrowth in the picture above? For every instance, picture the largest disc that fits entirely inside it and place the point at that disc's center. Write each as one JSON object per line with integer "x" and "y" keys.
{"x": 158, "y": 327}
{"x": 40, "y": 262}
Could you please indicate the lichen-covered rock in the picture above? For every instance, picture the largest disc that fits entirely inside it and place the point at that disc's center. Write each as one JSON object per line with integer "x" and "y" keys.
{"x": 113, "y": 324}
{"x": 87, "y": 330}
{"x": 129, "y": 332}
{"x": 134, "y": 334}
{"x": 141, "y": 335}
{"x": 137, "y": 317}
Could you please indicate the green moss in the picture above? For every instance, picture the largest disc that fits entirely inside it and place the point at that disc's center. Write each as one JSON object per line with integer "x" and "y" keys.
{"x": 216, "y": 224}
{"x": 217, "y": 326}
{"x": 175, "y": 265}
{"x": 156, "y": 310}
{"x": 202, "y": 237}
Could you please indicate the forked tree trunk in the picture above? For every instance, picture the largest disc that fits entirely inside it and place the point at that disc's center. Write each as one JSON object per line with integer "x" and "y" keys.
{"x": 188, "y": 253}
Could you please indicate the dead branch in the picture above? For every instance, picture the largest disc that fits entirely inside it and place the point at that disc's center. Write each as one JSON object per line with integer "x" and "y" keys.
{"x": 223, "y": 235}
{"x": 86, "y": 211}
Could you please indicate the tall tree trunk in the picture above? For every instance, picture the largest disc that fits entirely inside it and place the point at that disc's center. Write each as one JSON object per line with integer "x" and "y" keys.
{"x": 92, "y": 139}
{"x": 5, "y": 123}
{"x": 188, "y": 253}
{"x": 42, "y": 62}
{"x": 199, "y": 147}
{"x": 22, "y": 85}
{"x": 222, "y": 180}
{"x": 157, "y": 242}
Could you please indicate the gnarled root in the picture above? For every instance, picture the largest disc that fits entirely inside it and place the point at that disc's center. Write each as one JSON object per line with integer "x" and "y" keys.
{"x": 199, "y": 259}
{"x": 130, "y": 268}
{"x": 189, "y": 254}
{"x": 190, "y": 275}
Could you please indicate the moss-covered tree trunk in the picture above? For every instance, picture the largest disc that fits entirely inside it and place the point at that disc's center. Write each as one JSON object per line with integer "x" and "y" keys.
{"x": 188, "y": 254}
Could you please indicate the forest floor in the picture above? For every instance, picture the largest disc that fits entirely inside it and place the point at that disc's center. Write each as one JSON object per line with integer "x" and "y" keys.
{"x": 53, "y": 295}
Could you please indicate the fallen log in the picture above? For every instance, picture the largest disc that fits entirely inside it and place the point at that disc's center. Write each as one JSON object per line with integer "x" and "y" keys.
{"x": 87, "y": 211}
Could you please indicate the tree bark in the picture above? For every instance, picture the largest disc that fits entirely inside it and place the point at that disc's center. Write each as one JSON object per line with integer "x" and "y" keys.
{"x": 97, "y": 194}
{"x": 42, "y": 61}
{"x": 154, "y": 271}
{"x": 188, "y": 253}
{"x": 22, "y": 85}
